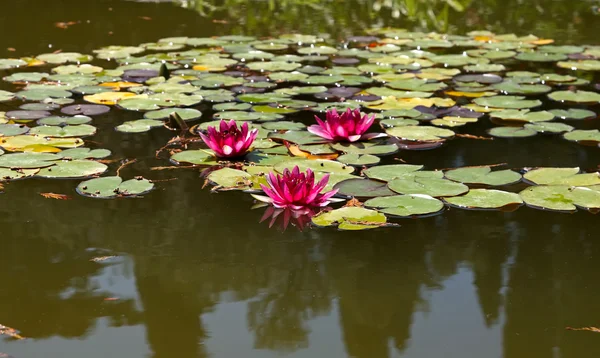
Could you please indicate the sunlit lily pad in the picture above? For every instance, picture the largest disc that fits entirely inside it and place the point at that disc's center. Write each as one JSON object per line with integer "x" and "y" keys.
{"x": 64, "y": 57}
{"x": 41, "y": 94}
{"x": 392, "y": 171}
{"x": 574, "y": 114}
{"x": 390, "y": 103}
{"x": 525, "y": 115}
{"x": 420, "y": 133}
{"x": 230, "y": 178}
{"x": 28, "y": 160}
{"x": 561, "y": 198}
{"x": 508, "y": 102}
{"x": 198, "y": 157}
{"x": 283, "y": 125}
{"x": 515, "y": 88}
{"x": 483, "y": 175}
{"x": 371, "y": 147}
{"x": 84, "y": 153}
{"x": 486, "y": 199}
{"x": 298, "y": 137}
{"x": 358, "y": 159}
{"x": 363, "y": 188}
{"x": 406, "y": 205}
{"x": 590, "y": 136}
{"x": 62, "y": 121}
{"x": 561, "y": 176}
{"x": 82, "y": 130}
{"x": 350, "y": 218}
{"x": 317, "y": 165}
{"x": 187, "y": 114}
{"x": 111, "y": 187}
{"x": 585, "y": 65}
{"x": 7, "y": 130}
{"x": 585, "y": 97}
{"x": 427, "y": 186}
{"x": 273, "y": 66}
{"x": 536, "y": 56}
{"x": 139, "y": 126}
{"x": 549, "y": 127}
{"x": 511, "y": 132}
{"x": 22, "y": 142}
{"x": 15, "y": 174}
{"x": 73, "y": 169}
{"x": 107, "y": 98}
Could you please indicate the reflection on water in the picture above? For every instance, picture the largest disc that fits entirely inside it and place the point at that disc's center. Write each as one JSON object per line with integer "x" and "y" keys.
{"x": 196, "y": 274}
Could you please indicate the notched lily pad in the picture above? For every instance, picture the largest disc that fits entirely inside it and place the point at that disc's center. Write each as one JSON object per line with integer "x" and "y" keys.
{"x": 483, "y": 175}
{"x": 406, "y": 205}
{"x": 363, "y": 188}
{"x": 486, "y": 199}
{"x": 350, "y": 218}
{"x": 113, "y": 187}
{"x": 561, "y": 198}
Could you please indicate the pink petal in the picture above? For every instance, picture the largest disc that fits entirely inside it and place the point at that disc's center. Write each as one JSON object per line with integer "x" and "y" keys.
{"x": 315, "y": 129}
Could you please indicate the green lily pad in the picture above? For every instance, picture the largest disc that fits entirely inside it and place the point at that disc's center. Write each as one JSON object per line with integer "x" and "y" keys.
{"x": 561, "y": 198}
{"x": 417, "y": 85}
{"x": 391, "y": 171}
{"x": 283, "y": 126}
{"x": 536, "y": 56}
{"x": 584, "y": 97}
{"x": 363, "y": 188}
{"x": 7, "y": 63}
{"x": 62, "y": 121}
{"x": 406, "y": 205}
{"x": 28, "y": 160}
{"x": 515, "y": 88}
{"x": 508, "y": 102}
{"x": 350, "y": 218}
{"x": 480, "y": 68}
{"x": 76, "y": 69}
{"x": 590, "y": 136}
{"x": 84, "y": 153}
{"x": 73, "y": 169}
{"x": 317, "y": 149}
{"x": 522, "y": 115}
{"x": 22, "y": 142}
{"x": 317, "y": 165}
{"x": 232, "y": 106}
{"x": 486, "y": 199}
{"x": 483, "y": 175}
{"x": 271, "y": 109}
{"x": 7, "y": 130}
{"x": 561, "y": 176}
{"x": 81, "y": 130}
{"x": 112, "y": 187}
{"x": 428, "y": 186}
{"x": 397, "y": 122}
{"x": 574, "y": 114}
{"x": 549, "y": 127}
{"x": 298, "y": 137}
{"x": 273, "y": 66}
{"x": 187, "y": 114}
{"x": 64, "y": 57}
{"x": 287, "y": 76}
{"x": 139, "y": 126}
{"x": 373, "y": 148}
{"x": 198, "y": 157}
{"x": 358, "y": 159}
{"x": 15, "y": 174}
{"x": 6, "y": 96}
{"x": 116, "y": 52}
{"x": 230, "y": 178}
{"x": 26, "y": 77}
{"x": 511, "y": 132}
{"x": 585, "y": 65}
{"x": 42, "y": 94}
{"x": 420, "y": 133}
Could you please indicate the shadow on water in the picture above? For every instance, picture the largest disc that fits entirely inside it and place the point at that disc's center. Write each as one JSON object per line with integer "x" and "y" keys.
{"x": 197, "y": 275}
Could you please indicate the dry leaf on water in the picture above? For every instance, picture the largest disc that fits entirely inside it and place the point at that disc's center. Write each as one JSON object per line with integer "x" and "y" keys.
{"x": 55, "y": 196}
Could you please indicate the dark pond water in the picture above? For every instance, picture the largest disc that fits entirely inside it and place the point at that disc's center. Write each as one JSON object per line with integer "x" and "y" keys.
{"x": 196, "y": 275}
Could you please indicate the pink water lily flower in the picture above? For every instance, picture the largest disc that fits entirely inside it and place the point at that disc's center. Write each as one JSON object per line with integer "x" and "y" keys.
{"x": 296, "y": 190}
{"x": 229, "y": 141}
{"x": 350, "y": 126}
